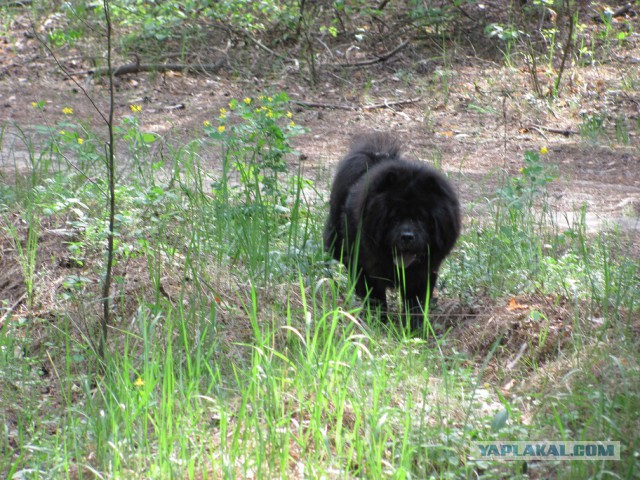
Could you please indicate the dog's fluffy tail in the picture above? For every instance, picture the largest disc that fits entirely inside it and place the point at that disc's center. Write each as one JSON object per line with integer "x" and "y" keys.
{"x": 378, "y": 146}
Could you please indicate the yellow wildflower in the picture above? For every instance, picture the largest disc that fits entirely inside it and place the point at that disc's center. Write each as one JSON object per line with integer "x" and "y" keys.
{"x": 247, "y": 100}
{"x": 135, "y": 108}
{"x": 221, "y": 128}
{"x": 80, "y": 141}
{"x": 34, "y": 104}
{"x": 67, "y": 110}
{"x": 289, "y": 114}
{"x": 138, "y": 383}
{"x": 206, "y": 123}
{"x": 544, "y": 150}
{"x": 292, "y": 124}
{"x": 62, "y": 132}
{"x": 270, "y": 114}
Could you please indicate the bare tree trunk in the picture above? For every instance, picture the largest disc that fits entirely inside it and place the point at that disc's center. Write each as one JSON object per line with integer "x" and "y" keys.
{"x": 111, "y": 174}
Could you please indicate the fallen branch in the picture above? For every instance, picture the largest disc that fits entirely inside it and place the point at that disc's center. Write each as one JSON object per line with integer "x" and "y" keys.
{"x": 560, "y": 131}
{"x": 153, "y": 67}
{"x": 110, "y": 147}
{"x": 535, "y": 129}
{"x": 373, "y": 61}
{"x": 265, "y": 48}
{"x": 333, "y": 106}
{"x": 618, "y": 13}
{"x": 12, "y": 308}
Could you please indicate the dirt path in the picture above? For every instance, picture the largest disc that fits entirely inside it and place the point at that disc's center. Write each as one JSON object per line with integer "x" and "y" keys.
{"x": 605, "y": 178}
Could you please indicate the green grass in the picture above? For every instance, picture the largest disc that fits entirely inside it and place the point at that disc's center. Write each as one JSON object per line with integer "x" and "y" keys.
{"x": 237, "y": 350}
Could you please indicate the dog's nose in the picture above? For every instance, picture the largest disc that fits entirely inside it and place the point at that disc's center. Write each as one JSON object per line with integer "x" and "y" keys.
{"x": 407, "y": 237}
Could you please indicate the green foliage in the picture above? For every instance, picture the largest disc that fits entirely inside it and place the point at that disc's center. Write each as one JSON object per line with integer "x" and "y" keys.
{"x": 163, "y": 20}
{"x": 508, "y": 35}
{"x": 520, "y": 192}
{"x": 621, "y": 130}
{"x": 66, "y": 37}
{"x": 592, "y": 127}
{"x": 153, "y": 20}
{"x": 520, "y": 249}
{"x": 429, "y": 15}
{"x": 256, "y": 146}
{"x": 258, "y": 206}
{"x": 236, "y": 351}
{"x": 256, "y": 15}
{"x": 27, "y": 253}
{"x": 508, "y": 250}
{"x": 69, "y": 25}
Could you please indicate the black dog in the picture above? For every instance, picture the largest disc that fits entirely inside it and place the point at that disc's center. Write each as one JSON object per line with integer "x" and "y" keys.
{"x": 391, "y": 222}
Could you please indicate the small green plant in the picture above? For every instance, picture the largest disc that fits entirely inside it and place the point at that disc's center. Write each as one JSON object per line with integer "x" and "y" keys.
{"x": 258, "y": 203}
{"x": 430, "y": 16}
{"x": 592, "y": 127}
{"x": 507, "y": 34}
{"x": 162, "y": 21}
{"x": 606, "y": 16}
{"x": 139, "y": 144}
{"x": 622, "y": 37}
{"x": 622, "y": 131}
{"x": 519, "y": 192}
{"x": 550, "y": 38}
{"x": 612, "y": 31}
{"x": 257, "y": 144}
{"x": 27, "y": 253}
{"x": 152, "y": 21}
{"x": 584, "y": 51}
{"x": 59, "y": 38}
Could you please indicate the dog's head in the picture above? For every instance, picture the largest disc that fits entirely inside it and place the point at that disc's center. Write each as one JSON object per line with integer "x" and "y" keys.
{"x": 412, "y": 213}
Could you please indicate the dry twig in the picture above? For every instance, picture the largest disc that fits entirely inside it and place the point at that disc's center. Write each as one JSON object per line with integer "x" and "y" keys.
{"x": 566, "y": 132}
{"x": 333, "y": 106}
{"x": 381, "y": 58}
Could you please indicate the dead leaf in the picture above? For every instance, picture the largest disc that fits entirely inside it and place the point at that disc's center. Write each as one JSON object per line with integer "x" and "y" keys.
{"x": 514, "y": 305}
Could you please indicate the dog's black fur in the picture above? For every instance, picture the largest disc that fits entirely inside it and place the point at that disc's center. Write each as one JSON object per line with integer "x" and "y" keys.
{"x": 391, "y": 222}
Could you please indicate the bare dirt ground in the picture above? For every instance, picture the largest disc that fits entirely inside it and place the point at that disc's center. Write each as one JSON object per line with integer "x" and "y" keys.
{"x": 471, "y": 114}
